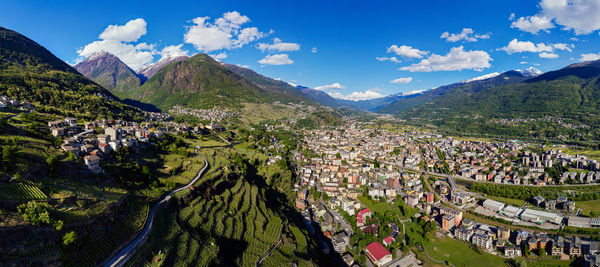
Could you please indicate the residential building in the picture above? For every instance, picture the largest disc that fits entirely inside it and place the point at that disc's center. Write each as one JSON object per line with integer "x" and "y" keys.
{"x": 378, "y": 255}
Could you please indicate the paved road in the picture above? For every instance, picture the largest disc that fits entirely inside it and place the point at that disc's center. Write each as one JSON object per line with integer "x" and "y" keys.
{"x": 125, "y": 253}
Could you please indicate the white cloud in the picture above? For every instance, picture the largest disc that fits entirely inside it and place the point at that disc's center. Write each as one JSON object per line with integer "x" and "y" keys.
{"x": 130, "y": 32}
{"x": 277, "y": 59}
{"x": 544, "y": 50}
{"x": 590, "y": 57}
{"x": 219, "y": 56}
{"x": 314, "y": 50}
{"x": 278, "y": 45}
{"x": 407, "y": 51}
{"x": 523, "y": 62}
{"x": 392, "y": 59}
{"x": 235, "y": 17}
{"x": 512, "y": 16}
{"x": 547, "y": 55}
{"x": 561, "y": 46}
{"x": 224, "y": 33}
{"x": 456, "y": 59}
{"x": 516, "y": 46}
{"x": 467, "y": 34}
{"x": 404, "y": 80}
{"x": 366, "y": 95}
{"x": 533, "y": 24}
{"x": 242, "y": 66}
{"x": 581, "y": 16}
{"x": 173, "y": 51}
{"x": 330, "y": 86}
{"x": 118, "y": 40}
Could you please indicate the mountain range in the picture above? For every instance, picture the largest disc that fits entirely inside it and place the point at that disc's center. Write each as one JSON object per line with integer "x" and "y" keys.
{"x": 110, "y": 72}
{"x": 31, "y": 73}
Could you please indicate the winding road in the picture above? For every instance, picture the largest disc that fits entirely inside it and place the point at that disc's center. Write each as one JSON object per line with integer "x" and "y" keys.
{"x": 120, "y": 258}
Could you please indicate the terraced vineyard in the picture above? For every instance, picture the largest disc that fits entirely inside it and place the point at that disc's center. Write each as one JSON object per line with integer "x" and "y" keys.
{"x": 22, "y": 191}
{"x": 133, "y": 222}
{"x": 233, "y": 220}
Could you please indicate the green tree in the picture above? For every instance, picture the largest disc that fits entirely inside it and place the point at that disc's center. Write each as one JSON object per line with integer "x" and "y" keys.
{"x": 69, "y": 238}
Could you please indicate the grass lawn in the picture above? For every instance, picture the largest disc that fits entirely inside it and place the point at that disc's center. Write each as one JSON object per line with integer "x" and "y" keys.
{"x": 547, "y": 263}
{"x": 459, "y": 254}
{"x": 379, "y": 207}
{"x": 588, "y": 206}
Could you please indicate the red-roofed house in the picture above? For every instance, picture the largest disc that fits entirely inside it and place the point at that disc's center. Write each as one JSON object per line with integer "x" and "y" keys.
{"x": 361, "y": 217}
{"x": 378, "y": 254}
{"x": 387, "y": 241}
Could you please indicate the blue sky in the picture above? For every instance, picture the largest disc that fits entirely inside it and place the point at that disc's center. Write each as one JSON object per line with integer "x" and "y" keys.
{"x": 350, "y": 49}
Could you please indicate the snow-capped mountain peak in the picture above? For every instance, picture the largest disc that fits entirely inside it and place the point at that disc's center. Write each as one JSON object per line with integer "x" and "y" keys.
{"x": 482, "y": 77}
{"x": 531, "y": 71}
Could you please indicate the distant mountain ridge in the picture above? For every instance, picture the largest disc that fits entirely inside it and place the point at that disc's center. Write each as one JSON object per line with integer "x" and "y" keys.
{"x": 149, "y": 70}
{"x": 451, "y": 91}
{"x": 202, "y": 82}
{"x": 571, "y": 93}
{"x": 109, "y": 71}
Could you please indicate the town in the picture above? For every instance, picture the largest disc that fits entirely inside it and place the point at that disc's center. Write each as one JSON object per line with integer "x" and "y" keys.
{"x": 344, "y": 171}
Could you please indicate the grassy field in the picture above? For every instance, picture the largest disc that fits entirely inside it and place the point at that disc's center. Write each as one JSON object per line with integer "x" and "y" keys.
{"x": 380, "y": 207}
{"x": 459, "y": 254}
{"x": 587, "y": 206}
{"x": 255, "y": 112}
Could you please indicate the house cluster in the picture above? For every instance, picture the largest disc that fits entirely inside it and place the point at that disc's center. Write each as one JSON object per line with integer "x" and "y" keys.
{"x": 84, "y": 140}
{"x": 561, "y": 203}
{"x": 94, "y": 141}
{"x": 513, "y": 243}
{"x": 6, "y": 102}
{"x": 213, "y": 114}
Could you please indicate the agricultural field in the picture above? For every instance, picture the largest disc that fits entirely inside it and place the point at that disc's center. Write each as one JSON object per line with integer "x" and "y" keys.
{"x": 21, "y": 191}
{"x": 132, "y": 222}
{"x": 232, "y": 218}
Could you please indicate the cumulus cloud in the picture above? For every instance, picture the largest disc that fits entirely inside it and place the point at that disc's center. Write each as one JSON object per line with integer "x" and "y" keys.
{"x": 467, "y": 34}
{"x": 456, "y": 59}
{"x": 545, "y": 50}
{"x": 590, "y": 57}
{"x": 314, "y": 50}
{"x": 119, "y": 41}
{"x": 581, "y": 16}
{"x": 355, "y": 96}
{"x": 173, "y": 51}
{"x": 548, "y": 55}
{"x": 219, "y": 56}
{"x": 392, "y": 59}
{"x": 277, "y": 59}
{"x": 516, "y": 46}
{"x": 330, "y": 87}
{"x": 224, "y": 33}
{"x": 403, "y": 80}
{"x": 533, "y": 24}
{"x": 406, "y": 51}
{"x": 278, "y": 45}
{"x": 130, "y": 32}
